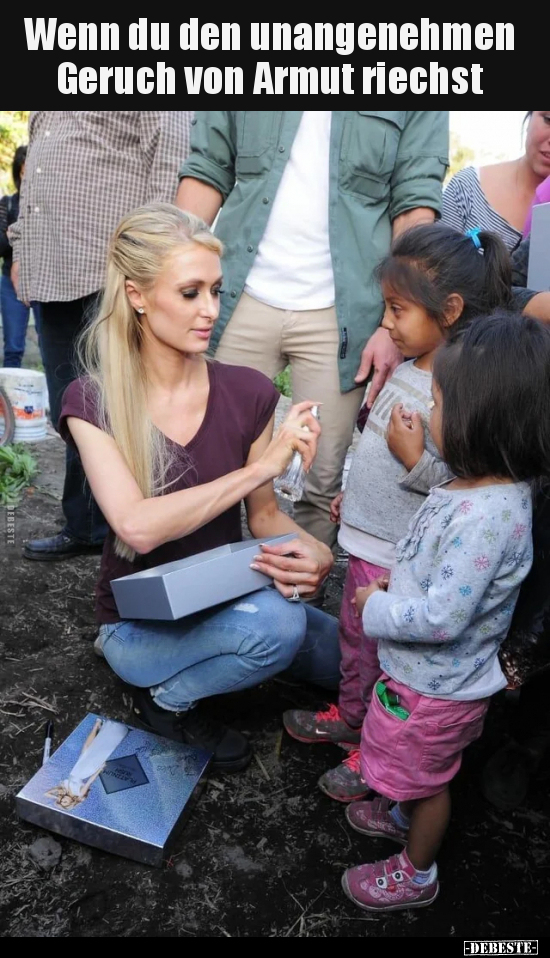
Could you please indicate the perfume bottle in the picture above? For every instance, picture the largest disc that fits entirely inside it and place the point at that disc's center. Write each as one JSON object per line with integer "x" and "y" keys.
{"x": 290, "y": 484}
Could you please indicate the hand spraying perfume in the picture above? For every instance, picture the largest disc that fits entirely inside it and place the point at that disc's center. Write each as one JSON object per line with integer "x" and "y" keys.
{"x": 290, "y": 484}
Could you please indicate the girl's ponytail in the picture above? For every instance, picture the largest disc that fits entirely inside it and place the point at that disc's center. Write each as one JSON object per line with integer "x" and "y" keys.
{"x": 497, "y": 289}
{"x": 430, "y": 262}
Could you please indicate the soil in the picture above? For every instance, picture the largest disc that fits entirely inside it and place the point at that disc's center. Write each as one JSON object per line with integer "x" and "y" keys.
{"x": 263, "y": 852}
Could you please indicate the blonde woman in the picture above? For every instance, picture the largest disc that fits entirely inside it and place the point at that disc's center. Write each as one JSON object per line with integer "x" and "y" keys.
{"x": 171, "y": 445}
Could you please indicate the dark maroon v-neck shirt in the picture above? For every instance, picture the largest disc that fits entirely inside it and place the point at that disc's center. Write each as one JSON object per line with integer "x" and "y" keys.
{"x": 240, "y": 403}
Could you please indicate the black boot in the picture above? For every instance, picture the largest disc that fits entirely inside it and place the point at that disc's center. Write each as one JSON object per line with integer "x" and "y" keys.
{"x": 231, "y": 750}
{"x": 61, "y": 546}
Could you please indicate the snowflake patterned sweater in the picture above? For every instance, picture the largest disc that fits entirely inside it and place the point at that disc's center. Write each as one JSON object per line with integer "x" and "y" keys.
{"x": 453, "y": 590}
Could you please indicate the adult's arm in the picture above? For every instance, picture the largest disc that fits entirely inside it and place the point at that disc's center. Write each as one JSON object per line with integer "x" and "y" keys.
{"x": 528, "y": 301}
{"x": 381, "y": 355}
{"x": 416, "y": 188}
{"x": 532, "y": 304}
{"x": 15, "y": 229}
{"x": 199, "y": 198}
{"x": 311, "y": 560}
{"x": 420, "y": 166}
{"x": 422, "y": 214}
{"x": 145, "y": 523}
{"x": 5, "y": 245}
{"x": 520, "y": 263}
{"x": 165, "y": 143}
{"x": 208, "y": 174}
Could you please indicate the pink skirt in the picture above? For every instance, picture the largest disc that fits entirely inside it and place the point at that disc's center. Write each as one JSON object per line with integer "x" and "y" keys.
{"x": 416, "y": 757}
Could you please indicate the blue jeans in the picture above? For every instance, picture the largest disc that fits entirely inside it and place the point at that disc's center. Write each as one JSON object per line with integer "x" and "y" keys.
{"x": 235, "y": 646}
{"x": 15, "y": 319}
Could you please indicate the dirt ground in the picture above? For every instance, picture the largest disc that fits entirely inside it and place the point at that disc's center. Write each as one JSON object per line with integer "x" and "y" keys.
{"x": 264, "y": 850}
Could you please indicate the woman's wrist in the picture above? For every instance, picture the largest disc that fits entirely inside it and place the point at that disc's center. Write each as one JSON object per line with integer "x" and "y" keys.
{"x": 260, "y": 472}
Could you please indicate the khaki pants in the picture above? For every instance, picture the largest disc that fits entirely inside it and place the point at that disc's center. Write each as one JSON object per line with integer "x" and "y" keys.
{"x": 269, "y": 339}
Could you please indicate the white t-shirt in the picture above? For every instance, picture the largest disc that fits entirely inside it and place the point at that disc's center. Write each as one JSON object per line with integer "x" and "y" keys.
{"x": 362, "y": 545}
{"x": 293, "y": 267}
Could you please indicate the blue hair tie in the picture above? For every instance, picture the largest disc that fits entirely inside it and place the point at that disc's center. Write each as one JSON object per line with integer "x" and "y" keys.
{"x": 474, "y": 236}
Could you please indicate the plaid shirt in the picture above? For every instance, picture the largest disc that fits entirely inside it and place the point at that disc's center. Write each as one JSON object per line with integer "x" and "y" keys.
{"x": 84, "y": 170}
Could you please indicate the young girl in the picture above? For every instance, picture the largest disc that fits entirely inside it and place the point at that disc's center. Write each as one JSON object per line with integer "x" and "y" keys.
{"x": 433, "y": 279}
{"x": 442, "y": 619}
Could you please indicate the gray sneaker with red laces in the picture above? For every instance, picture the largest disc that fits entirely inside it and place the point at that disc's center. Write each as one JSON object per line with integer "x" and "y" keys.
{"x": 344, "y": 783}
{"x": 328, "y": 726}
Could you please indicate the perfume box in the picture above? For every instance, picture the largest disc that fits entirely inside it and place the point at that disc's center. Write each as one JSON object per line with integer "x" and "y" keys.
{"x": 538, "y": 273}
{"x": 117, "y": 788}
{"x": 175, "y": 589}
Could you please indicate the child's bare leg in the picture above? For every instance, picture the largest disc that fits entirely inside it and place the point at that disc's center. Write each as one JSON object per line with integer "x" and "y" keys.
{"x": 429, "y": 822}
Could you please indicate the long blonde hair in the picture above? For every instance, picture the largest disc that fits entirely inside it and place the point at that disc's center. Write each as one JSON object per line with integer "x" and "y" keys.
{"x": 110, "y": 347}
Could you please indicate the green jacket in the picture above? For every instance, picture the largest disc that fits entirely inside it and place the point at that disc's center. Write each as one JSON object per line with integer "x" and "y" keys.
{"x": 381, "y": 165}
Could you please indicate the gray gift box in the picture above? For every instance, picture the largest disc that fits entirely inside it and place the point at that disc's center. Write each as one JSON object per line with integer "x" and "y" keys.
{"x": 175, "y": 589}
{"x": 138, "y": 799}
{"x": 538, "y": 275}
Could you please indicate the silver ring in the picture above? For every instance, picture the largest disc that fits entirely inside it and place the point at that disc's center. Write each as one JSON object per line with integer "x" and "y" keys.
{"x": 295, "y": 597}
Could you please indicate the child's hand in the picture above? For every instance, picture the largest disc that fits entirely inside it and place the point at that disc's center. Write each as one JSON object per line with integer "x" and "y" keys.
{"x": 405, "y": 436}
{"x": 363, "y": 594}
{"x": 334, "y": 514}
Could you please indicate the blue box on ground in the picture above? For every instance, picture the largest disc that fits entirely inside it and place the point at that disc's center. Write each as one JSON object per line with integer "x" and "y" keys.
{"x": 175, "y": 589}
{"x": 117, "y": 788}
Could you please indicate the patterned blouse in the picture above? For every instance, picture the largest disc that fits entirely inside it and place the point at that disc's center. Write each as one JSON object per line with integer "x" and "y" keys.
{"x": 453, "y": 590}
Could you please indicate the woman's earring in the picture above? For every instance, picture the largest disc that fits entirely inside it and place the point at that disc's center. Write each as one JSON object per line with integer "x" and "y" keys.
{"x": 141, "y": 310}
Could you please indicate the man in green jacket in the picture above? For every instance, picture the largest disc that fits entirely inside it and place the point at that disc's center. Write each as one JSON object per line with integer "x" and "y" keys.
{"x": 309, "y": 204}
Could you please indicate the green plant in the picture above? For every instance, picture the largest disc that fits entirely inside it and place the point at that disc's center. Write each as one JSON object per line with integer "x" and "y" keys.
{"x": 13, "y": 133}
{"x": 17, "y": 468}
{"x": 283, "y": 382}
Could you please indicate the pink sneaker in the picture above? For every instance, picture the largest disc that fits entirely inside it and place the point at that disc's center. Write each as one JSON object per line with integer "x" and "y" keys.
{"x": 344, "y": 783}
{"x": 388, "y": 885}
{"x": 374, "y": 819}
{"x": 329, "y": 726}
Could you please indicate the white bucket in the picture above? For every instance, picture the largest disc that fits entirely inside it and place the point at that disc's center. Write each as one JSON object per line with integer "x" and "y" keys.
{"x": 28, "y": 394}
